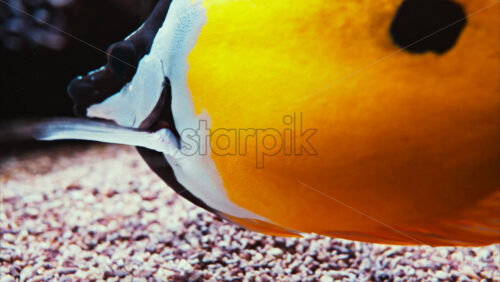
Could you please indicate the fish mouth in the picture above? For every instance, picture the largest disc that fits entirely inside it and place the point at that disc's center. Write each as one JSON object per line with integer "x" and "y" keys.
{"x": 123, "y": 58}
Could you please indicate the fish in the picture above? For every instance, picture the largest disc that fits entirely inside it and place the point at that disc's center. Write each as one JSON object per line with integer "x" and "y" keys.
{"x": 375, "y": 121}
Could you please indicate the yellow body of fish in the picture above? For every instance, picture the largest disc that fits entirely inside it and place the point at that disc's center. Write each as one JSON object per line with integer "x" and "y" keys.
{"x": 408, "y": 145}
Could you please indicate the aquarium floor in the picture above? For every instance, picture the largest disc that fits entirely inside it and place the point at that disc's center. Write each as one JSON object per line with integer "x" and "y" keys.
{"x": 93, "y": 212}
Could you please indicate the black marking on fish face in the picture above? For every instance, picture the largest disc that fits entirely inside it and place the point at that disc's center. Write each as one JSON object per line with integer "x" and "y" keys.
{"x": 157, "y": 162}
{"x": 123, "y": 58}
{"x": 427, "y": 25}
{"x": 161, "y": 116}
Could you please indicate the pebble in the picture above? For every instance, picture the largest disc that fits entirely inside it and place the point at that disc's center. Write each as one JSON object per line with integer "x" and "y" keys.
{"x": 121, "y": 273}
{"x": 74, "y": 249}
{"x": 32, "y": 212}
{"x": 14, "y": 271}
{"x": 7, "y": 278}
{"x": 9, "y": 237}
{"x": 66, "y": 271}
{"x": 151, "y": 248}
{"x": 275, "y": 252}
{"x": 469, "y": 271}
{"x": 120, "y": 263}
{"x": 442, "y": 275}
{"x": 484, "y": 254}
{"x": 326, "y": 279}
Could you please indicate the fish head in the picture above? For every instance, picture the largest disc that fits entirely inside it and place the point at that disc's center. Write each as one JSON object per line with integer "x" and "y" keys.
{"x": 116, "y": 91}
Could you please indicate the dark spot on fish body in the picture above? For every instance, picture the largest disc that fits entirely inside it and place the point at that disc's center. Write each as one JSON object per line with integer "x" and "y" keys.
{"x": 421, "y": 26}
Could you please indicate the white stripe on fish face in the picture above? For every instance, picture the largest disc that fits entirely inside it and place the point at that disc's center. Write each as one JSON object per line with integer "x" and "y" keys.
{"x": 172, "y": 45}
{"x": 136, "y": 100}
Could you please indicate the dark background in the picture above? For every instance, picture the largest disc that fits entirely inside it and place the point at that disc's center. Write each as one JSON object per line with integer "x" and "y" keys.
{"x": 33, "y": 76}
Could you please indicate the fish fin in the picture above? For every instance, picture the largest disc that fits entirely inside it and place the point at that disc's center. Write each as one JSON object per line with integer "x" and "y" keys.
{"x": 475, "y": 225}
{"x": 478, "y": 224}
{"x": 261, "y": 226}
{"x": 163, "y": 140}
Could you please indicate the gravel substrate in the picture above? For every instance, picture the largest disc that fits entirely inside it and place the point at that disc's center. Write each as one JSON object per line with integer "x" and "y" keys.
{"x": 97, "y": 212}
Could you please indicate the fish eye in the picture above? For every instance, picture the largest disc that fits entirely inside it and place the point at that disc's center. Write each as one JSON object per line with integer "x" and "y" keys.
{"x": 123, "y": 60}
{"x": 427, "y": 25}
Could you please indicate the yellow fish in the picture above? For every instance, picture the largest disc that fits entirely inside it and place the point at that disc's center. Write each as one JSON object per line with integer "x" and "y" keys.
{"x": 376, "y": 121}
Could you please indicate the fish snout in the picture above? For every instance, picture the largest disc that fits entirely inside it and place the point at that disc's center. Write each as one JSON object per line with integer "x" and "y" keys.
{"x": 93, "y": 88}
